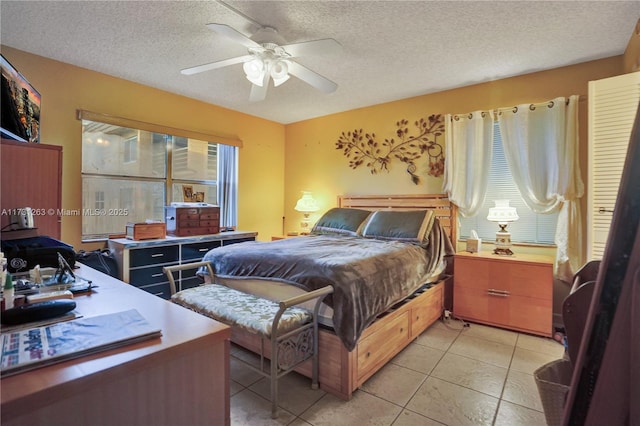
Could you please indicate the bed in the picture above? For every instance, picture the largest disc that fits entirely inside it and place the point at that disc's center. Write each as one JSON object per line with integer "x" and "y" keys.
{"x": 388, "y": 259}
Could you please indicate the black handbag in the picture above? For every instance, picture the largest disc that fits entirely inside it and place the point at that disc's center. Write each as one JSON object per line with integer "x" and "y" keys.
{"x": 102, "y": 260}
{"x": 25, "y": 253}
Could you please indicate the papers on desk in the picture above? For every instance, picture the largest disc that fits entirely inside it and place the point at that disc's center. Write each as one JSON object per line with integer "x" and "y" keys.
{"x": 35, "y": 347}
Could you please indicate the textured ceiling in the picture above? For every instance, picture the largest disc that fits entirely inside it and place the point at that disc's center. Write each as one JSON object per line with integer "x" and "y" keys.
{"x": 391, "y": 49}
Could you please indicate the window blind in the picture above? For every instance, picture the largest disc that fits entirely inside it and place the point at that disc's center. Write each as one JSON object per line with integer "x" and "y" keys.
{"x": 530, "y": 227}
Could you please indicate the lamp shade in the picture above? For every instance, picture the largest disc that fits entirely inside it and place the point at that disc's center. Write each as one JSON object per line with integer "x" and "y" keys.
{"x": 306, "y": 203}
{"x": 254, "y": 70}
{"x": 502, "y": 212}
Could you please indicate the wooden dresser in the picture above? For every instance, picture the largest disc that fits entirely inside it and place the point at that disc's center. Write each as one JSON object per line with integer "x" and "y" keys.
{"x": 140, "y": 263}
{"x": 188, "y": 221}
{"x": 514, "y": 292}
{"x": 181, "y": 378}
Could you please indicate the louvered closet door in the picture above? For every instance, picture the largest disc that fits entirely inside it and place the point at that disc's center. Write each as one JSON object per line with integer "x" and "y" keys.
{"x": 613, "y": 103}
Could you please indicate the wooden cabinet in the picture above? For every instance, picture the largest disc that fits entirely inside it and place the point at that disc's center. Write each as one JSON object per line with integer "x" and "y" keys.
{"x": 32, "y": 177}
{"x": 514, "y": 292}
{"x": 140, "y": 263}
{"x": 186, "y": 221}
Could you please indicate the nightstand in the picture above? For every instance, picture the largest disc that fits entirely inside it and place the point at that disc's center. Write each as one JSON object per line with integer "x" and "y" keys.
{"x": 514, "y": 292}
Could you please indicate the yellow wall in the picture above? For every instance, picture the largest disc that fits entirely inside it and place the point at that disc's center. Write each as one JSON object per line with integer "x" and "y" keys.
{"x": 632, "y": 53}
{"x": 66, "y": 88}
{"x": 313, "y": 163}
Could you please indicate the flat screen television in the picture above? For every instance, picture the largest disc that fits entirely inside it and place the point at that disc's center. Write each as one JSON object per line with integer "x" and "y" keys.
{"x": 20, "y": 118}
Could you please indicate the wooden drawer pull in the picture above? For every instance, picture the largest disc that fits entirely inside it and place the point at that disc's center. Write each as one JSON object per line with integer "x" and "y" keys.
{"x": 492, "y": 292}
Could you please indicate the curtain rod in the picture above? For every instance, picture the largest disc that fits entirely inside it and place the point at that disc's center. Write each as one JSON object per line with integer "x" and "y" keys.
{"x": 532, "y": 106}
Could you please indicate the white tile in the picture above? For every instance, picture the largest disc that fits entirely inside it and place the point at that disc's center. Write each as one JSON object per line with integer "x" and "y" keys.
{"x": 418, "y": 357}
{"x": 511, "y": 414}
{"x": 362, "y": 409}
{"x": 453, "y": 404}
{"x": 483, "y": 350}
{"x": 394, "y": 383}
{"x": 437, "y": 337}
{"x": 527, "y": 361}
{"x": 242, "y": 374}
{"x": 471, "y": 374}
{"x": 521, "y": 389}
{"x": 409, "y": 418}
{"x": 540, "y": 344}
{"x": 294, "y": 392}
{"x": 493, "y": 334}
{"x": 250, "y": 409}
{"x": 234, "y": 387}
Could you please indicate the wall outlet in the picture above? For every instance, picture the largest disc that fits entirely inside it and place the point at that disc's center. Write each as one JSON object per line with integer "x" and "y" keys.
{"x": 447, "y": 314}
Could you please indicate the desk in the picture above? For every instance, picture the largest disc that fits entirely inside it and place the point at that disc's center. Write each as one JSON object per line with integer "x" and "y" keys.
{"x": 180, "y": 378}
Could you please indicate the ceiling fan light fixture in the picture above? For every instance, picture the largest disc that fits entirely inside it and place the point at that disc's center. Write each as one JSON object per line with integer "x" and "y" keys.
{"x": 279, "y": 72}
{"x": 254, "y": 71}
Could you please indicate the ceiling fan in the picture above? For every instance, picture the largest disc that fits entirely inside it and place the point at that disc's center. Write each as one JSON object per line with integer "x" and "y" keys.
{"x": 269, "y": 57}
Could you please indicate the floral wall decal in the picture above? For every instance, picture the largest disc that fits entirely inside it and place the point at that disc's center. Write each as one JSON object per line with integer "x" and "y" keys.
{"x": 364, "y": 148}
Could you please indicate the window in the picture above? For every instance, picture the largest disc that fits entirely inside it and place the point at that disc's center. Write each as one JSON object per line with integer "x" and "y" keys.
{"x": 530, "y": 228}
{"x": 131, "y": 150}
{"x": 130, "y": 175}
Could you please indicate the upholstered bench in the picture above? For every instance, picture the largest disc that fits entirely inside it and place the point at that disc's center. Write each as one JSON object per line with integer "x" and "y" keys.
{"x": 291, "y": 331}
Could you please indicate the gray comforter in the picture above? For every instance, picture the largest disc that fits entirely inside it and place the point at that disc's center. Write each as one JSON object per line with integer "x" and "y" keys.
{"x": 368, "y": 276}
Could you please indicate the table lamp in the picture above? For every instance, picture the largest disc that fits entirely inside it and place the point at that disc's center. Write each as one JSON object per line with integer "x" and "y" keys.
{"x": 306, "y": 205}
{"x": 503, "y": 214}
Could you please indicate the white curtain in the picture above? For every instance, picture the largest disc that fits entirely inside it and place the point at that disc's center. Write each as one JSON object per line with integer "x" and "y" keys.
{"x": 228, "y": 185}
{"x": 469, "y": 148}
{"x": 541, "y": 146}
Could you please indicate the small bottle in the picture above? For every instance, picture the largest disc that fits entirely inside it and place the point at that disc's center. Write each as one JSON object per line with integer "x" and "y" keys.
{"x": 8, "y": 292}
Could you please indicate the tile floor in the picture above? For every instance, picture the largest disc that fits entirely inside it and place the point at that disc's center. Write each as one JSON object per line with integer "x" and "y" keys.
{"x": 450, "y": 375}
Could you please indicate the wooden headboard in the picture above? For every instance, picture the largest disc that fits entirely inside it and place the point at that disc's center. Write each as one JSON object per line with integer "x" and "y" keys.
{"x": 446, "y": 211}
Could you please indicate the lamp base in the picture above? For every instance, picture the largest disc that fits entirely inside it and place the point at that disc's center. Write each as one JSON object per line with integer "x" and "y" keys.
{"x": 503, "y": 242}
{"x": 502, "y": 251}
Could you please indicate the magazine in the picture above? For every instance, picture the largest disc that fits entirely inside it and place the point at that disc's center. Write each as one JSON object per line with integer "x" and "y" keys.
{"x": 26, "y": 349}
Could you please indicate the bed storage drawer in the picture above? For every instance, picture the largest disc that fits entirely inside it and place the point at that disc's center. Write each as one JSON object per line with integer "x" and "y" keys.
{"x": 394, "y": 334}
{"x": 429, "y": 310}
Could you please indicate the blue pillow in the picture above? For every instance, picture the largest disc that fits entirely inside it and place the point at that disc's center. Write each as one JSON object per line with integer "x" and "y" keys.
{"x": 412, "y": 226}
{"x": 341, "y": 221}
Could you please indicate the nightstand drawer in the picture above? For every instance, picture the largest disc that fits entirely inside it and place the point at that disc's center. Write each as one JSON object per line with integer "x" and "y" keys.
{"x": 517, "y": 312}
{"x": 517, "y": 278}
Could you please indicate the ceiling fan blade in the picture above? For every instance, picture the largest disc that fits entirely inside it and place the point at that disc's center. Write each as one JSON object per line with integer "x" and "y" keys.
{"x": 316, "y": 47}
{"x": 311, "y": 77}
{"x": 215, "y": 65}
{"x": 259, "y": 93}
{"x": 232, "y": 34}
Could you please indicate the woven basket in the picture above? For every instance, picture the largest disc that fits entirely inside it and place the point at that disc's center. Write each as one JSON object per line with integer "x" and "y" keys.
{"x": 553, "y": 380}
